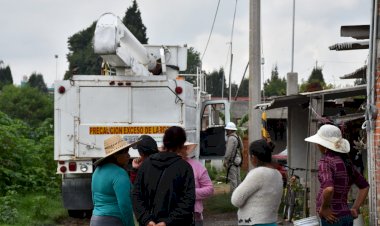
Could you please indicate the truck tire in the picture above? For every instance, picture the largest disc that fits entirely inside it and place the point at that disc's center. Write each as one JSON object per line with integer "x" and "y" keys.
{"x": 81, "y": 214}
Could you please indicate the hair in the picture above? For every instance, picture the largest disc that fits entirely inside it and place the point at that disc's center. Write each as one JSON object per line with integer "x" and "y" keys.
{"x": 147, "y": 145}
{"x": 174, "y": 138}
{"x": 347, "y": 163}
{"x": 262, "y": 150}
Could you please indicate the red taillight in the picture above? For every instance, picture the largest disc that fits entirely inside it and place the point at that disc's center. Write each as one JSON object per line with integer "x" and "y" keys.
{"x": 61, "y": 162}
{"x": 61, "y": 89}
{"x": 178, "y": 89}
{"x": 72, "y": 166}
{"x": 63, "y": 169}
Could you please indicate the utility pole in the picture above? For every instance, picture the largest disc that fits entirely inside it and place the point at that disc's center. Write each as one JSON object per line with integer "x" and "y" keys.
{"x": 254, "y": 123}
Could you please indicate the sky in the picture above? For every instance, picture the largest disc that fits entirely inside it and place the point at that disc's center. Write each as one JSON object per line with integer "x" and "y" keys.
{"x": 34, "y": 31}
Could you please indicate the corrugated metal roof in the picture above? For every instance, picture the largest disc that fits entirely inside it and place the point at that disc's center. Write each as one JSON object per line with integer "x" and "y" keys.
{"x": 350, "y": 46}
{"x": 303, "y": 98}
{"x": 359, "y": 73}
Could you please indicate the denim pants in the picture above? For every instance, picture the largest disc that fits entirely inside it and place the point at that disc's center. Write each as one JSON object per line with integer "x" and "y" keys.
{"x": 343, "y": 221}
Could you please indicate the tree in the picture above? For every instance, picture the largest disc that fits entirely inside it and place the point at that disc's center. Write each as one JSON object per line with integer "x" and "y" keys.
{"x": 275, "y": 86}
{"x": 193, "y": 62}
{"x": 37, "y": 81}
{"x": 5, "y": 76}
{"x": 214, "y": 82}
{"x": 27, "y": 104}
{"x": 81, "y": 57}
{"x": 315, "y": 81}
{"x": 243, "y": 88}
{"x": 132, "y": 20}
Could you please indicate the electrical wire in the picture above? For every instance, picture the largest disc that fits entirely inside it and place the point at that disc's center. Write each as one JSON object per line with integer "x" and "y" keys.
{"x": 212, "y": 28}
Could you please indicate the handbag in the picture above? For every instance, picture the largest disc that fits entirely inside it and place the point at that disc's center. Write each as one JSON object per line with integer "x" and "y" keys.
{"x": 309, "y": 221}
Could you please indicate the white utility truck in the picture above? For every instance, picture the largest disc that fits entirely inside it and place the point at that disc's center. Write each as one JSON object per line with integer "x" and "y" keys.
{"x": 144, "y": 95}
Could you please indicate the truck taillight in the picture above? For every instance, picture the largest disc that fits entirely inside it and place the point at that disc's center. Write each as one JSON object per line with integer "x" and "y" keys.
{"x": 178, "y": 89}
{"x": 61, "y": 162}
{"x": 63, "y": 169}
{"x": 72, "y": 166}
{"x": 61, "y": 89}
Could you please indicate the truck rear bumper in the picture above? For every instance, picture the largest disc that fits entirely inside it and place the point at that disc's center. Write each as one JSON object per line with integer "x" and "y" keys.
{"x": 76, "y": 193}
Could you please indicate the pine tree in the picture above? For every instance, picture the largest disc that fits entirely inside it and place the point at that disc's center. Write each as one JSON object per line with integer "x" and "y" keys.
{"x": 82, "y": 59}
{"x": 37, "y": 81}
{"x": 132, "y": 20}
{"x": 214, "y": 83}
{"x": 5, "y": 77}
{"x": 275, "y": 86}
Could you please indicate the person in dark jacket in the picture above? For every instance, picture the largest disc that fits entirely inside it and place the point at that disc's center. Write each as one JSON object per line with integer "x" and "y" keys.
{"x": 146, "y": 147}
{"x": 164, "y": 189}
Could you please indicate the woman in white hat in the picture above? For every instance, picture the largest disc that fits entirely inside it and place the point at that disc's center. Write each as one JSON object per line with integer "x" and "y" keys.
{"x": 336, "y": 174}
{"x": 111, "y": 186}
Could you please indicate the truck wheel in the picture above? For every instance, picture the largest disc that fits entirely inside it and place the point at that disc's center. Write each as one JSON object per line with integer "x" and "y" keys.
{"x": 81, "y": 214}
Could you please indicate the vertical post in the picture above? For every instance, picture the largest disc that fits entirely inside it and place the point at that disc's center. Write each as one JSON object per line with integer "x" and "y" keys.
{"x": 229, "y": 81}
{"x": 254, "y": 123}
{"x": 294, "y": 11}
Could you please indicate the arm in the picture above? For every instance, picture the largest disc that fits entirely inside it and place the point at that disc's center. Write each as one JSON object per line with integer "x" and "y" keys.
{"x": 363, "y": 186}
{"x": 248, "y": 187}
{"x": 325, "y": 210}
{"x": 140, "y": 203}
{"x": 359, "y": 201}
{"x": 122, "y": 188}
{"x": 206, "y": 189}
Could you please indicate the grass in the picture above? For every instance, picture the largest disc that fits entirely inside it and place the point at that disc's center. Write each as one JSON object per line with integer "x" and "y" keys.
{"x": 37, "y": 210}
{"x": 219, "y": 203}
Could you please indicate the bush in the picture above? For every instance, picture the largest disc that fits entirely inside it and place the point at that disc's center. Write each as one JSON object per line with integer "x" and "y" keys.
{"x": 8, "y": 211}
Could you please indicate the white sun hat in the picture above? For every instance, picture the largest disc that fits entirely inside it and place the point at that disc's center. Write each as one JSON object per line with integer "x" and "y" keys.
{"x": 230, "y": 126}
{"x": 189, "y": 147}
{"x": 330, "y": 136}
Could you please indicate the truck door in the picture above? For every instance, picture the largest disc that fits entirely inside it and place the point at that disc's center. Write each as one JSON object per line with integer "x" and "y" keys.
{"x": 214, "y": 116}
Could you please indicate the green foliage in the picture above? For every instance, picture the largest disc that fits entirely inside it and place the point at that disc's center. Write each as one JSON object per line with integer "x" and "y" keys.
{"x": 132, "y": 20}
{"x": 275, "y": 86}
{"x": 8, "y": 211}
{"x": 316, "y": 76}
{"x": 37, "y": 209}
{"x": 214, "y": 83}
{"x": 82, "y": 59}
{"x": 27, "y": 104}
{"x": 5, "y": 76}
{"x": 315, "y": 82}
{"x": 241, "y": 130}
{"x": 219, "y": 203}
{"x": 243, "y": 89}
{"x": 37, "y": 81}
{"x": 193, "y": 62}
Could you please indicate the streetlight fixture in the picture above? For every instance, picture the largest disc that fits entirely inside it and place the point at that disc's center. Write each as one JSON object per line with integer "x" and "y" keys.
{"x": 56, "y": 66}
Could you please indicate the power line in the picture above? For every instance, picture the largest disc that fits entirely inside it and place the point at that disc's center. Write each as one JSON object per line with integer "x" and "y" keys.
{"x": 212, "y": 28}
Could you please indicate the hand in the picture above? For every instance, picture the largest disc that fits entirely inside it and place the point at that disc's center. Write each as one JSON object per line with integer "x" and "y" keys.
{"x": 151, "y": 223}
{"x": 328, "y": 214}
{"x": 355, "y": 213}
{"x": 161, "y": 224}
{"x": 136, "y": 163}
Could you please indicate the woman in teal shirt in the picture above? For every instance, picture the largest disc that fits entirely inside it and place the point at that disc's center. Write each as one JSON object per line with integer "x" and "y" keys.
{"x": 111, "y": 186}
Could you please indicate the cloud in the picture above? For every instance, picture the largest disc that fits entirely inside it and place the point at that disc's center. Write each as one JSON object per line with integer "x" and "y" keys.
{"x": 34, "y": 31}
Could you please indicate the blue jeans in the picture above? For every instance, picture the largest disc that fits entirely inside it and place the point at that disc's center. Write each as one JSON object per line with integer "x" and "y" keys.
{"x": 343, "y": 221}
